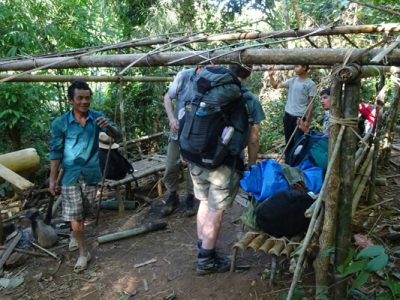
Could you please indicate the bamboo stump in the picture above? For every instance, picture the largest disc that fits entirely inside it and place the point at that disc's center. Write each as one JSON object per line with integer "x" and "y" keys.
{"x": 120, "y": 200}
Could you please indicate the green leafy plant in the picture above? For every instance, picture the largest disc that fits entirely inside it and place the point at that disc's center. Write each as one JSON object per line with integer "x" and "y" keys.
{"x": 372, "y": 259}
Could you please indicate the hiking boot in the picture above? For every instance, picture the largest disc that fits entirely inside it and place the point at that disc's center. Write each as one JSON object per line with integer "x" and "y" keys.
{"x": 171, "y": 204}
{"x": 190, "y": 210}
{"x": 213, "y": 264}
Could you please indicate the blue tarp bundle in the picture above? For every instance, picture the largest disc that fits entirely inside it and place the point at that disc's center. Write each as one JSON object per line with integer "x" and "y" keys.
{"x": 266, "y": 178}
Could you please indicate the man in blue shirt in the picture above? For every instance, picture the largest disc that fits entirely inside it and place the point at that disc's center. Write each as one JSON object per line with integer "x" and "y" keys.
{"x": 74, "y": 146}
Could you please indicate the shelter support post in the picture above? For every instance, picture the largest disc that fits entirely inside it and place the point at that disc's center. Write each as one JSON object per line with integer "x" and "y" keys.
{"x": 349, "y": 111}
{"x": 326, "y": 240}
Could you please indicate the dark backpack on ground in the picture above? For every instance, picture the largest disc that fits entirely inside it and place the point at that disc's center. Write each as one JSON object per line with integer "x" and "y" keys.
{"x": 312, "y": 146}
{"x": 282, "y": 214}
{"x": 214, "y": 129}
{"x": 118, "y": 166}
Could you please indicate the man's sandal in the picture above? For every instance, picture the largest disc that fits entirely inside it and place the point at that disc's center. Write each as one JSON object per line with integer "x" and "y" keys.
{"x": 82, "y": 263}
{"x": 73, "y": 245}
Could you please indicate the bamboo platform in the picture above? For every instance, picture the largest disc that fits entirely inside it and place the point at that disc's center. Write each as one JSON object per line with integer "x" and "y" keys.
{"x": 262, "y": 242}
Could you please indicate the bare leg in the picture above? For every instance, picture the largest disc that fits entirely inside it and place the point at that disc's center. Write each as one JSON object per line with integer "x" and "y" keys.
{"x": 201, "y": 218}
{"x": 211, "y": 228}
{"x": 78, "y": 232}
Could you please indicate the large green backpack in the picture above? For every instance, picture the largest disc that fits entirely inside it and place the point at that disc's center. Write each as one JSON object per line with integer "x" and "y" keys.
{"x": 214, "y": 129}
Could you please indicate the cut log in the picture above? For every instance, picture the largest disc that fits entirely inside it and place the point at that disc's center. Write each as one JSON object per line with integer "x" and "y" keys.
{"x": 23, "y": 162}
{"x": 132, "y": 232}
{"x": 16, "y": 180}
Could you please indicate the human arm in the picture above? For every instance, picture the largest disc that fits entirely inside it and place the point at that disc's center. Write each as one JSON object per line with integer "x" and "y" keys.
{"x": 275, "y": 84}
{"x": 253, "y": 144}
{"x": 54, "y": 186}
{"x": 173, "y": 122}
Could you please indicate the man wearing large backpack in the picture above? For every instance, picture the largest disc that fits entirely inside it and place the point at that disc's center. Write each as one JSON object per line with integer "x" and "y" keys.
{"x": 216, "y": 176}
{"x": 177, "y": 90}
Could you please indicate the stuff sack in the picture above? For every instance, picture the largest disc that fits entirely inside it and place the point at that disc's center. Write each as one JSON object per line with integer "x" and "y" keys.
{"x": 118, "y": 166}
{"x": 283, "y": 213}
{"x": 312, "y": 146}
{"x": 215, "y": 126}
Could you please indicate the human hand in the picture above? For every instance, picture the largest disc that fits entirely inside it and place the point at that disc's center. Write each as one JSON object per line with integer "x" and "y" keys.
{"x": 271, "y": 71}
{"x": 54, "y": 188}
{"x": 102, "y": 122}
{"x": 303, "y": 125}
{"x": 174, "y": 126}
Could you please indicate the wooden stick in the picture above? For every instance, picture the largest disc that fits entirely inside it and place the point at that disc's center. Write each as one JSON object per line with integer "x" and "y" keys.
{"x": 29, "y": 252}
{"x": 45, "y": 250}
{"x": 147, "y": 262}
{"x": 376, "y": 204}
{"x": 103, "y": 180}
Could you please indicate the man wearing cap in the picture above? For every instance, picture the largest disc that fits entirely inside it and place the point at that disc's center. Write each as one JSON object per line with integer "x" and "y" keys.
{"x": 75, "y": 147}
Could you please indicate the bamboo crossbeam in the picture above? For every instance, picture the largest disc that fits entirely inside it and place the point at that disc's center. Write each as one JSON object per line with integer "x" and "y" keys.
{"x": 69, "y": 78}
{"x": 248, "y": 56}
{"x": 366, "y": 71}
{"x": 338, "y": 30}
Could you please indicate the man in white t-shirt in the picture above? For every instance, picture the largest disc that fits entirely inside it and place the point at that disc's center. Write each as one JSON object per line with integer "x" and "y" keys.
{"x": 301, "y": 91}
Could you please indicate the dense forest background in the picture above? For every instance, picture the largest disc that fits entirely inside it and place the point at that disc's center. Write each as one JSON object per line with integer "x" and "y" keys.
{"x": 33, "y": 27}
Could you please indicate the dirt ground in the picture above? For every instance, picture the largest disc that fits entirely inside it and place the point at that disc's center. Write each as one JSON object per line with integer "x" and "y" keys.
{"x": 112, "y": 273}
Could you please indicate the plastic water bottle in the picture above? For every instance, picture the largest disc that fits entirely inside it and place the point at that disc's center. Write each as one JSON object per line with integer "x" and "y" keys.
{"x": 227, "y": 134}
{"x": 202, "y": 111}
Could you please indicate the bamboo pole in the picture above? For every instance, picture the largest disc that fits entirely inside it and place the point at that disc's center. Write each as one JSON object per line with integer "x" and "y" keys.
{"x": 150, "y": 41}
{"x": 314, "y": 218}
{"x": 360, "y": 188}
{"x": 247, "y": 56}
{"x": 366, "y": 71}
{"x": 132, "y": 232}
{"x": 343, "y": 232}
{"x": 326, "y": 239}
{"x": 69, "y": 78}
{"x": 386, "y": 51}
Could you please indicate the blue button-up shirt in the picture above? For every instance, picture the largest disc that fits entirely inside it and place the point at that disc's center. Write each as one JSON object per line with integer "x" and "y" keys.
{"x": 77, "y": 147}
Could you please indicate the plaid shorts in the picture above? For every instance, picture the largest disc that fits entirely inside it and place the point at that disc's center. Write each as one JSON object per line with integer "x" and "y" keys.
{"x": 77, "y": 201}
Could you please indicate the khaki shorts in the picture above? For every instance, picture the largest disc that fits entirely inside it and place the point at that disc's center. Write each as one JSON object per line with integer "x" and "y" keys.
{"x": 219, "y": 187}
